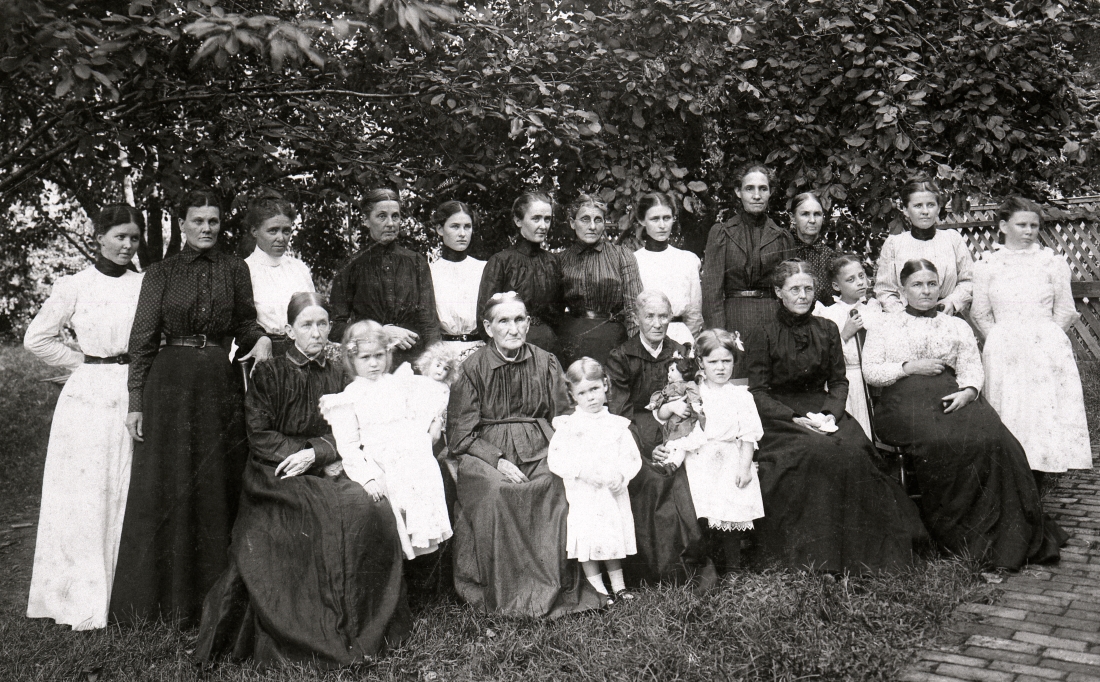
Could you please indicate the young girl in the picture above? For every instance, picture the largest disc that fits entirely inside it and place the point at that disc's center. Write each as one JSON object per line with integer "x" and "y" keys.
{"x": 721, "y": 473}
{"x": 1024, "y": 306}
{"x": 384, "y": 426}
{"x": 853, "y": 314}
{"x": 596, "y": 457}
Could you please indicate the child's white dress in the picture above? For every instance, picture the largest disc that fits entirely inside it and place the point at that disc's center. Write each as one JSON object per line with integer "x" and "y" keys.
{"x": 381, "y": 432}
{"x": 838, "y": 312}
{"x": 731, "y": 418}
{"x": 600, "y": 525}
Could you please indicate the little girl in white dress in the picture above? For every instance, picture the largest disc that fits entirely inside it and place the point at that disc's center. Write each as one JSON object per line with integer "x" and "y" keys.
{"x": 385, "y": 426}
{"x": 596, "y": 457}
{"x": 721, "y": 474}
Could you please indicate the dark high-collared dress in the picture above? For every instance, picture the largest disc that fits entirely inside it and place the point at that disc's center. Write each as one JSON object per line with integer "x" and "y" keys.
{"x": 820, "y": 257}
{"x": 828, "y": 505}
{"x": 509, "y": 538}
{"x": 670, "y": 543}
{"x": 185, "y": 480}
{"x": 390, "y": 285}
{"x": 535, "y": 274}
{"x": 315, "y": 572}
{"x": 741, "y": 254}
{"x": 599, "y": 284}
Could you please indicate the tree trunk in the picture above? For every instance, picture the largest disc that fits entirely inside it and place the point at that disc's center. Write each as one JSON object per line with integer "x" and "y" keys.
{"x": 175, "y": 240}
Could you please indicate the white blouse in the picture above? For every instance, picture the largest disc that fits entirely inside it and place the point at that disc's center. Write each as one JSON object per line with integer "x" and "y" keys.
{"x": 675, "y": 273}
{"x": 456, "y": 285}
{"x": 274, "y": 281}
{"x": 947, "y": 251}
{"x": 901, "y": 337}
{"x": 839, "y": 311}
{"x": 100, "y": 310}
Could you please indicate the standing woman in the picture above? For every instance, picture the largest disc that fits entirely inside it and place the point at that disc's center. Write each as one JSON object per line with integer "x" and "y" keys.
{"x": 1023, "y": 305}
{"x": 275, "y": 276}
{"x": 600, "y": 283}
{"x": 529, "y": 270}
{"x": 740, "y": 256}
{"x": 664, "y": 268}
{"x": 808, "y": 218}
{"x": 387, "y": 283}
{"x": 457, "y": 277}
{"x": 186, "y": 416}
{"x": 920, "y": 197}
{"x": 88, "y": 458}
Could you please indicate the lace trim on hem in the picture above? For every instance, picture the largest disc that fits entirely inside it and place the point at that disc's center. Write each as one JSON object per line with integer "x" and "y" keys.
{"x": 730, "y": 525}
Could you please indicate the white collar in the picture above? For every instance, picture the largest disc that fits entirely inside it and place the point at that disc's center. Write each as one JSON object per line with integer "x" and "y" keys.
{"x": 650, "y": 349}
{"x": 261, "y": 257}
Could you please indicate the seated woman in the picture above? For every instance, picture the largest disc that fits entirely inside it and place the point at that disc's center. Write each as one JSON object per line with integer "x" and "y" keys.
{"x": 315, "y": 572}
{"x": 510, "y": 517}
{"x": 670, "y": 542}
{"x": 978, "y": 496}
{"x": 827, "y": 504}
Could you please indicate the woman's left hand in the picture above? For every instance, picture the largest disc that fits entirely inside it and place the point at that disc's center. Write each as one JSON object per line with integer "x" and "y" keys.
{"x": 261, "y": 352}
{"x": 959, "y": 399}
{"x": 296, "y": 464}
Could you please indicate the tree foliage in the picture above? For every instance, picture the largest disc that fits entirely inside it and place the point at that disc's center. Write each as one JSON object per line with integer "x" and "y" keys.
{"x": 322, "y": 99}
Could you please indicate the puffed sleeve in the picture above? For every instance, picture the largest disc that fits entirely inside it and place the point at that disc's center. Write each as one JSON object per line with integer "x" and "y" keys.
{"x": 463, "y": 420}
{"x": 961, "y": 296}
{"x": 693, "y": 312}
{"x": 339, "y": 411}
{"x": 879, "y": 367}
{"x": 427, "y": 314}
{"x": 145, "y": 332}
{"x": 265, "y": 441}
{"x": 838, "y": 375}
{"x": 981, "y": 311}
{"x": 618, "y": 373}
{"x": 1065, "y": 312}
{"x": 561, "y": 459}
{"x": 751, "y": 429}
{"x": 43, "y": 337}
{"x": 629, "y": 456}
{"x": 968, "y": 361}
{"x": 887, "y": 288}
{"x": 758, "y": 367}
{"x": 714, "y": 275}
{"x": 246, "y": 330}
{"x": 632, "y": 286}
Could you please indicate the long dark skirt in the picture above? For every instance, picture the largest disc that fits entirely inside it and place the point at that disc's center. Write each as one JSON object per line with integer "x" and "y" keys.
{"x": 581, "y": 337}
{"x": 184, "y": 487}
{"x": 315, "y": 576}
{"x": 671, "y": 546}
{"x": 509, "y": 544}
{"x": 746, "y": 314}
{"x": 978, "y": 496}
{"x": 828, "y": 505}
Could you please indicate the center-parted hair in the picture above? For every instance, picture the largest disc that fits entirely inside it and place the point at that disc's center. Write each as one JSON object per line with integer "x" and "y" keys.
{"x": 302, "y": 300}
{"x": 526, "y": 200}
{"x": 199, "y": 198}
{"x": 378, "y": 195}
{"x": 745, "y": 169}
{"x": 1014, "y": 205}
{"x": 790, "y": 268}
{"x": 921, "y": 182}
{"x": 586, "y": 201}
{"x": 585, "y": 369}
{"x": 113, "y": 215}
{"x": 711, "y": 340}
{"x": 444, "y": 211}
{"x": 803, "y": 198}
{"x": 262, "y": 209}
{"x": 499, "y": 299}
{"x": 914, "y": 266}
{"x": 842, "y": 261}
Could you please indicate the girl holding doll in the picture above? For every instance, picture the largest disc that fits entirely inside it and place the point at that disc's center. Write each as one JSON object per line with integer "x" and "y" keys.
{"x": 594, "y": 454}
{"x": 852, "y": 314}
{"x": 385, "y": 426}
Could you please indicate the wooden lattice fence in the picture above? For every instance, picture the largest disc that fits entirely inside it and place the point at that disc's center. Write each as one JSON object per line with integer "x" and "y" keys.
{"x": 1076, "y": 238}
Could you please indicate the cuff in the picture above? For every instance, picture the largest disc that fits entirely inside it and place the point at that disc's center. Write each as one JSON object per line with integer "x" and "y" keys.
{"x": 324, "y": 451}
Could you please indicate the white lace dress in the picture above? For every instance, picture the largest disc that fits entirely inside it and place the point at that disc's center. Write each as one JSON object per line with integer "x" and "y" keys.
{"x": 838, "y": 312}
{"x": 87, "y": 474}
{"x": 675, "y": 273}
{"x": 381, "y": 431}
{"x": 600, "y": 525}
{"x": 731, "y": 419}
{"x": 456, "y": 286}
{"x": 1024, "y": 306}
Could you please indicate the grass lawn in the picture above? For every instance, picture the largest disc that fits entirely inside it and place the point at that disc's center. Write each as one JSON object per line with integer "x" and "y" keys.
{"x": 756, "y": 626}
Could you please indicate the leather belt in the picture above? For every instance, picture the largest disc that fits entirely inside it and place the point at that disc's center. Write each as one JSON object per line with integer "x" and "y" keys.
{"x": 123, "y": 359}
{"x": 749, "y": 293}
{"x": 195, "y": 341}
{"x": 460, "y": 337}
{"x": 591, "y": 314}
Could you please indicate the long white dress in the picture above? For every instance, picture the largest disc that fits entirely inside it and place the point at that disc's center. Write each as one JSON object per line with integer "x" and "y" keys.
{"x": 586, "y": 445}
{"x": 274, "y": 281}
{"x": 675, "y": 273}
{"x": 381, "y": 432}
{"x": 731, "y": 419}
{"x": 947, "y": 251}
{"x": 1023, "y": 305}
{"x": 88, "y": 459}
{"x": 456, "y": 284}
{"x": 838, "y": 312}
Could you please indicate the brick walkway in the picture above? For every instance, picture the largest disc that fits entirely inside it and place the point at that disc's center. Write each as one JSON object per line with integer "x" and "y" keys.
{"x": 1046, "y": 623}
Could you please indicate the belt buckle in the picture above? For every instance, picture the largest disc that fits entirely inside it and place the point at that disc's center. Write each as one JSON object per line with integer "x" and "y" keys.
{"x": 122, "y": 359}
{"x": 203, "y": 337}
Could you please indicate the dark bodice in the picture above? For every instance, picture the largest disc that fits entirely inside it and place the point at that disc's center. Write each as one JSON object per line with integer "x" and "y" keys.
{"x": 532, "y": 272}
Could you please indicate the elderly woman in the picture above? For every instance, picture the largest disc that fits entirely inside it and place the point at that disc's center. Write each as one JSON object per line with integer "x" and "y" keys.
{"x": 387, "y": 283}
{"x": 946, "y": 249}
{"x": 670, "y": 541}
{"x": 315, "y": 573}
{"x": 740, "y": 256}
{"x": 599, "y": 282}
{"x": 89, "y": 454}
{"x": 510, "y": 518}
{"x": 529, "y": 270}
{"x": 978, "y": 496}
{"x": 827, "y": 504}
{"x": 187, "y": 418}
{"x": 807, "y": 219}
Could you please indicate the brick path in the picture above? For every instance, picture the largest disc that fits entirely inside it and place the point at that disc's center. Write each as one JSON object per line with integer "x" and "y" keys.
{"x": 1046, "y": 623}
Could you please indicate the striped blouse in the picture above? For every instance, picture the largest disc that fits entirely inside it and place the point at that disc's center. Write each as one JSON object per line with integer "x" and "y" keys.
{"x": 602, "y": 278}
